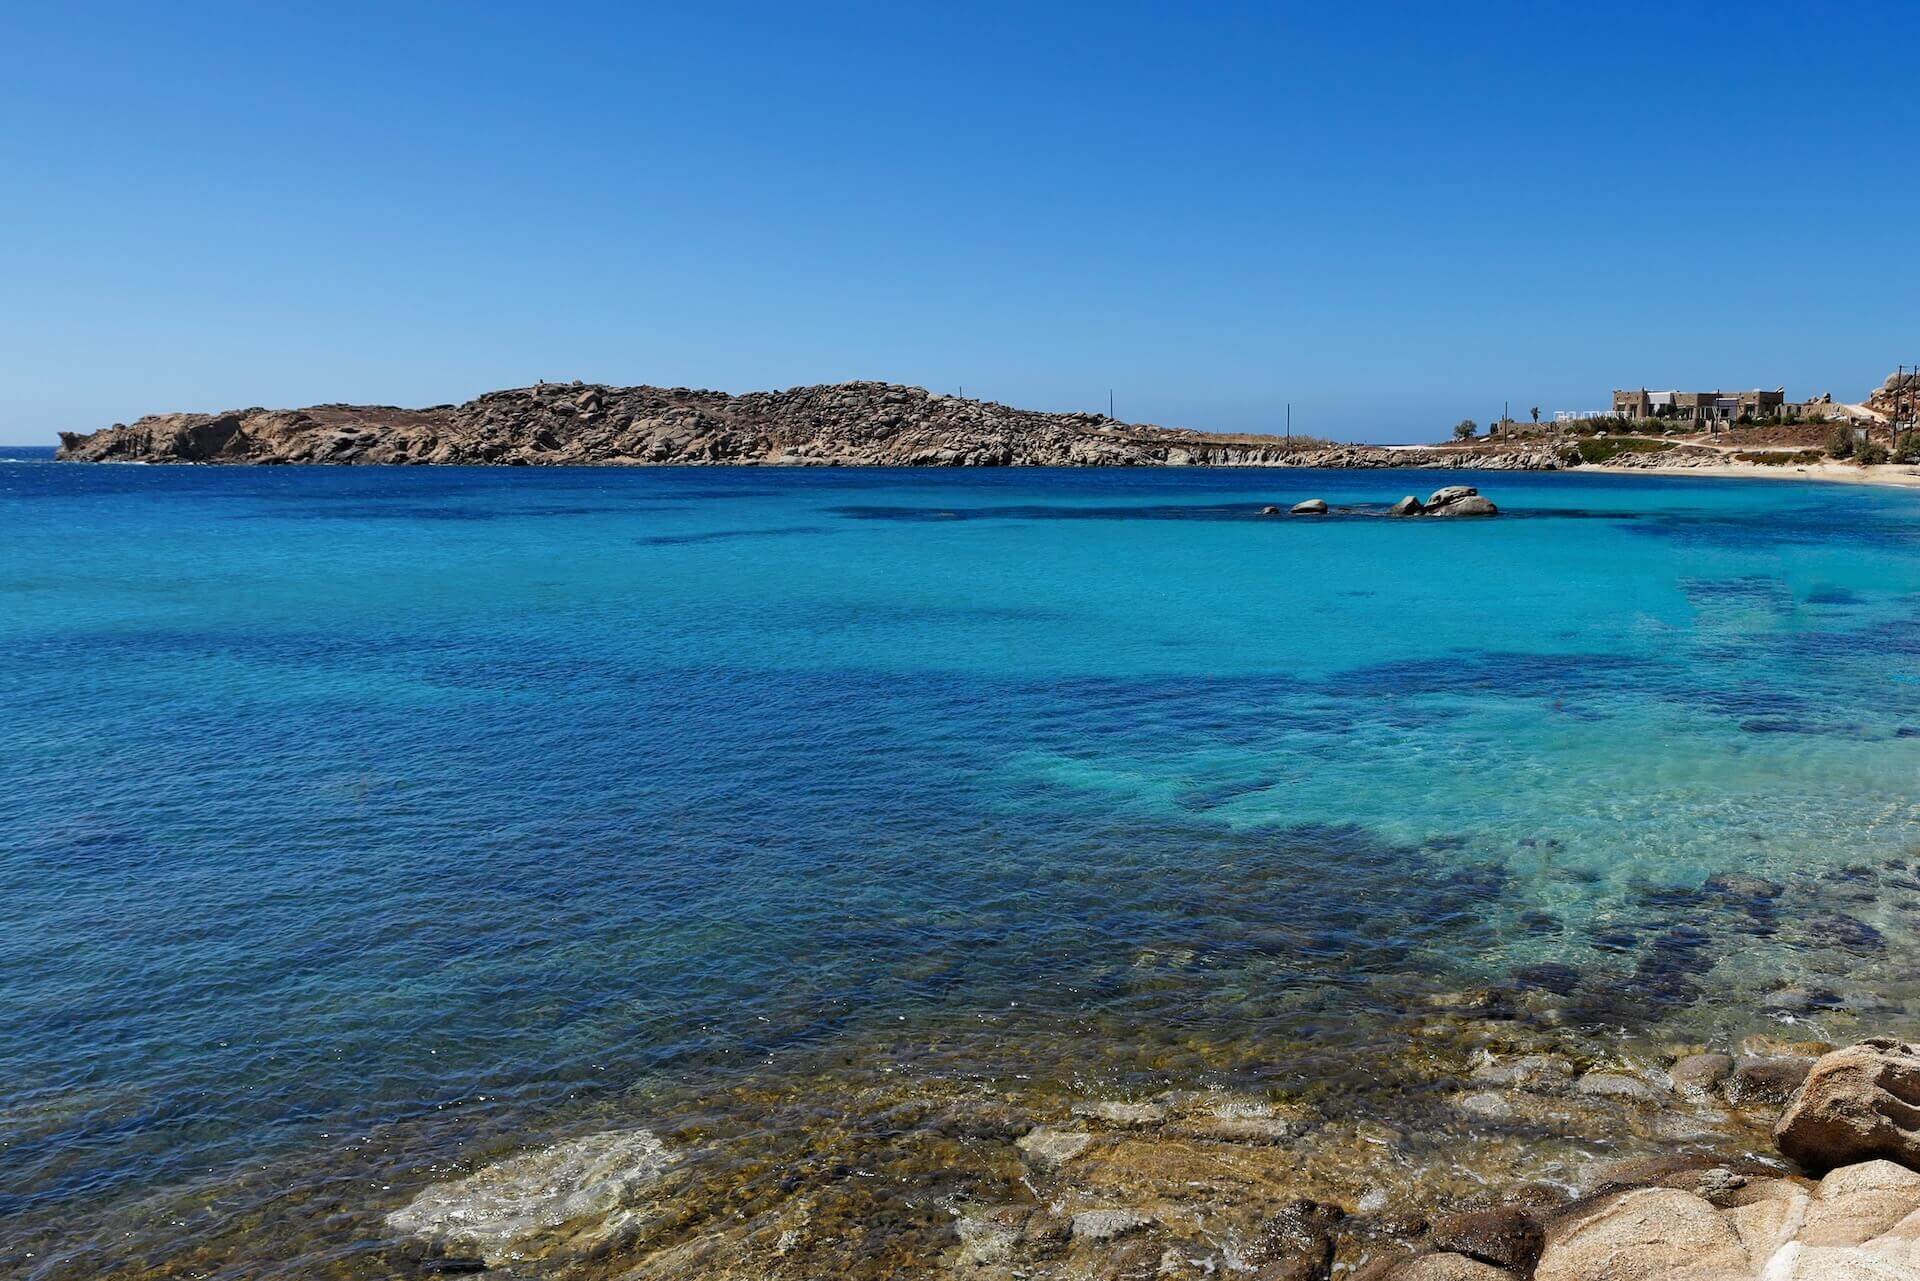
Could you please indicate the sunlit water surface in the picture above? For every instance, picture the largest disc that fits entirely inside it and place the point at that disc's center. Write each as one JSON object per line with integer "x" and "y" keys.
{"x": 342, "y": 801}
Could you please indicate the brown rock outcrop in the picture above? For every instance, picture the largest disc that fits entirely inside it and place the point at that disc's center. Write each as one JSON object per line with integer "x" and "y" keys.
{"x": 846, "y": 424}
{"x": 1856, "y": 1104}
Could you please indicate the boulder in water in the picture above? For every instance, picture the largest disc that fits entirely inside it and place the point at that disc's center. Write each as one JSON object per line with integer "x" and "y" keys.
{"x": 1471, "y": 505}
{"x": 1312, "y": 507}
{"x": 1408, "y": 506}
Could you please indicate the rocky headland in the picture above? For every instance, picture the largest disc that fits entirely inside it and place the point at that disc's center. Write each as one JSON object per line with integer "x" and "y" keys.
{"x": 846, "y": 424}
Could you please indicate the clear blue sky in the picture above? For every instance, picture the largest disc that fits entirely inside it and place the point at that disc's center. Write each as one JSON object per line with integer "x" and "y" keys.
{"x": 1392, "y": 216}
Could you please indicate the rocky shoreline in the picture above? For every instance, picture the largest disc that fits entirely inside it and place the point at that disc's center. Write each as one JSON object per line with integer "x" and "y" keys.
{"x": 846, "y": 424}
{"x": 1775, "y": 1160}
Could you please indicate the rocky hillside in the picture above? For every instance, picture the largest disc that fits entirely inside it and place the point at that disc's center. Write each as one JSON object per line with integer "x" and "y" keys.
{"x": 845, "y": 424}
{"x": 1897, "y": 396}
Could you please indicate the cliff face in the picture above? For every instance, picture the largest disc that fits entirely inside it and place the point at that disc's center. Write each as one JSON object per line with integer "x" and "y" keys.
{"x": 848, "y": 424}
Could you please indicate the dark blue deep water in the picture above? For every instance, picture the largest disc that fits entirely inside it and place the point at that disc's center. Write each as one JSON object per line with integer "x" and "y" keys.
{"x": 339, "y": 798}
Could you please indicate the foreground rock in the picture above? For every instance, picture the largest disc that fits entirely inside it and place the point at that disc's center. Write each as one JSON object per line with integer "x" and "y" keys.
{"x": 1860, "y": 1223}
{"x": 860, "y": 423}
{"x": 586, "y": 1181}
{"x": 1856, "y": 1104}
{"x": 1312, "y": 507}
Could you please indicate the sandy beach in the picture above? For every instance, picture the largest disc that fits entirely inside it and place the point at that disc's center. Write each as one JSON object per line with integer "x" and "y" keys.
{"x": 1897, "y": 475}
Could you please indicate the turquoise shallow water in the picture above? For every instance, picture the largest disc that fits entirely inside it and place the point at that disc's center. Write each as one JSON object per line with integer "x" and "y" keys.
{"x": 339, "y": 797}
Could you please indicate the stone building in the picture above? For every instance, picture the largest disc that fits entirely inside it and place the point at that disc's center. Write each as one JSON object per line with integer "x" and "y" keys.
{"x": 1701, "y": 408}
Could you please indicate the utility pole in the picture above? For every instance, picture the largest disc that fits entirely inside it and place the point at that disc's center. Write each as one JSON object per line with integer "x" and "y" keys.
{"x": 1289, "y": 423}
{"x": 1109, "y": 404}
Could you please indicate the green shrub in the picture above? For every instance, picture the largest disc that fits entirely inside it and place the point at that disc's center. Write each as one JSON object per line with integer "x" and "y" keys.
{"x": 1840, "y": 442}
{"x": 1907, "y": 448}
{"x": 1870, "y": 454}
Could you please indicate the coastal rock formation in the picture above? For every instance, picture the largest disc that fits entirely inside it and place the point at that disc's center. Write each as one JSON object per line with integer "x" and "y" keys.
{"x": 1459, "y": 500}
{"x": 1854, "y": 1105}
{"x": 584, "y": 1181}
{"x": 1860, "y": 1222}
{"x": 1312, "y": 507}
{"x": 858, "y": 423}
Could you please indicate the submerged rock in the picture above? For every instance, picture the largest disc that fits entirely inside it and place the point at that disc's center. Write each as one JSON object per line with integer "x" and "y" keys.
{"x": 1105, "y": 1225}
{"x": 1297, "y": 1243}
{"x": 500, "y": 1205}
{"x": 1856, "y": 1104}
{"x": 1047, "y": 1146}
{"x": 1122, "y": 1114}
{"x": 1700, "y": 1076}
{"x": 1766, "y": 1082}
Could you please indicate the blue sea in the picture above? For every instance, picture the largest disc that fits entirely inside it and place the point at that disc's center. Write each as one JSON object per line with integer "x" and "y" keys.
{"x": 358, "y": 818}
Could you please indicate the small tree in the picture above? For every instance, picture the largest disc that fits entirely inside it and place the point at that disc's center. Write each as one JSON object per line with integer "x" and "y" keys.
{"x": 1907, "y": 448}
{"x": 1464, "y": 429}
{"x": 1840, "y": 442}
{"x": 1535, "y": 411}
{"x": 1870, "y": 453}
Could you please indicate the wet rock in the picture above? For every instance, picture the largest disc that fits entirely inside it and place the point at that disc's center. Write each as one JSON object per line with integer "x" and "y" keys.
{"x": 1105, "y": 1225}
{"x": 494, "y": 1207}
{"x": 1856, "y": 1104}
{"x": 1640, "y": 1235}
{"x": 1297, "y": 1243}
{"x": 991, "y": 1236}
{"x": 1408, "y": 506}
{"x": 1450, "y": 494}
{"x": 1507, "y": 1238}
{"x": 1311, "y": 507}
{"x": 1620, "y": 1085}
{"x": 1700, "y": 1076}
{"x": 1532, "y": 1071}
{"x": 1520, "y": 1109}
{"x": 1765, "y": 1082}
{"x": 1269, "y": 511}
{"x": 1047, "y": 1146}
{"x": 1122, "y": 1114}
{"x": 1046, "y": 1234}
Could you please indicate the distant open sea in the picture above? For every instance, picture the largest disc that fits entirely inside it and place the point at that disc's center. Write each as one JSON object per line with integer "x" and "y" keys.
{"x": 356, "y": 816}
